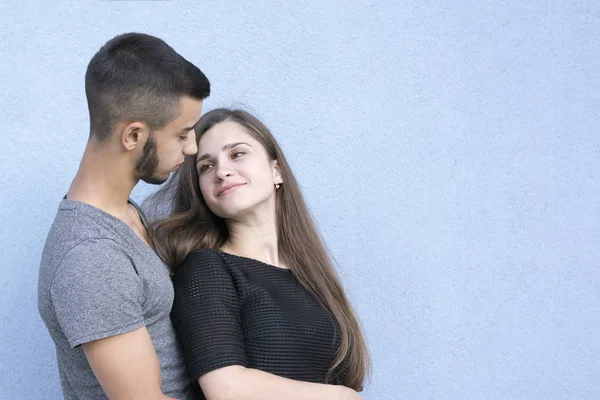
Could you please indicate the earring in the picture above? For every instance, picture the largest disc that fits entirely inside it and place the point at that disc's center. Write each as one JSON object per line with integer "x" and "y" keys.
{"x": 277, "y": 186}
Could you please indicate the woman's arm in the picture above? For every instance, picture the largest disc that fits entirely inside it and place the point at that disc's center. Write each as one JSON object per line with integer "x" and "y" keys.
{"x": 240, "y": 383}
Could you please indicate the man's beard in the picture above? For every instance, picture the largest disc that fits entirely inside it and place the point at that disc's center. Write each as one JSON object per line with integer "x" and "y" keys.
{"x": 145, "y": 166}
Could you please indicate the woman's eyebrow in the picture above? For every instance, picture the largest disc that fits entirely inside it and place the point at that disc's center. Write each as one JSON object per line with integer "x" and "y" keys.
{"x": 226, "y": 147}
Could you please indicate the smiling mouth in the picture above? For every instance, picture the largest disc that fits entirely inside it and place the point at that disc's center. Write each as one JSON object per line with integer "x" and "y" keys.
{"x": 229, "y": 189}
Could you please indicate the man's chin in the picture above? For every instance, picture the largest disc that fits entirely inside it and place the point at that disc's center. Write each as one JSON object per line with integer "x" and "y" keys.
{"x": 155, "y": 180}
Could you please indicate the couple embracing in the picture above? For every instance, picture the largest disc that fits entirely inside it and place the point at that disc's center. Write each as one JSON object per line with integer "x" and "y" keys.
{"x": 230, "y": 294}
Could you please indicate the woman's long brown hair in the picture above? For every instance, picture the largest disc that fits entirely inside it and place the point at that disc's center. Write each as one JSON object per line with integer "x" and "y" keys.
{"x": 191, "y": 225}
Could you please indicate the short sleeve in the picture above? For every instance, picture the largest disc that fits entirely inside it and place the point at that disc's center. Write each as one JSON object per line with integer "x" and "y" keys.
{"x": 96, "y": 292}
{"x": 206, "y": 314}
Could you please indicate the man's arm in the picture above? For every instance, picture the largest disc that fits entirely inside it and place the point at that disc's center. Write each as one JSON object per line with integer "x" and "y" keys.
{"x": 126, "y": 366}
{"x": 239, "y": 383}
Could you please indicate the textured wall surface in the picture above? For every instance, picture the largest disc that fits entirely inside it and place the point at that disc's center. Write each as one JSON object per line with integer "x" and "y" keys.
{"x": 449, "y": 152}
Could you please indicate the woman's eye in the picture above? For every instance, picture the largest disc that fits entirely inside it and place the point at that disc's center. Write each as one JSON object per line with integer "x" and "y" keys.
{"x": 182, "y": 138}
{"x": 205, "y": 167}
{"x": 238, "y": 154}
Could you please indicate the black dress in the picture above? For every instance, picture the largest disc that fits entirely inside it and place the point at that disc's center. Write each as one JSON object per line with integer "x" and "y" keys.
{"x": 231, "y": 310}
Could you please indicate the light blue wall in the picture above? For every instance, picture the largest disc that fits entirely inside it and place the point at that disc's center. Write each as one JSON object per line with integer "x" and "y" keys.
{"x": 449, "y": 151}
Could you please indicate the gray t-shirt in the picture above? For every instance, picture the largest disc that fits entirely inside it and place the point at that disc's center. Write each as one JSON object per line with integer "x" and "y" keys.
{"x": 98, "y": 279}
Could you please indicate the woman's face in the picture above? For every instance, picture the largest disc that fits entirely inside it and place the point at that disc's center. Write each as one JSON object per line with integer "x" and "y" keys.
{"x": 236, "y": 176}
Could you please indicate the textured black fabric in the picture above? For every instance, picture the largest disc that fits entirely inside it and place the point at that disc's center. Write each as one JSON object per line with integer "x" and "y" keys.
{"x": 232, "y": 310}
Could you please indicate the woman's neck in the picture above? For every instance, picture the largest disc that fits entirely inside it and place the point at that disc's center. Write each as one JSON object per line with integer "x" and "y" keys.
{"x": 255, "y": 239}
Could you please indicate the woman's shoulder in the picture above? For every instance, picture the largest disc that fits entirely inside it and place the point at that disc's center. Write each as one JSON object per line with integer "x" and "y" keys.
{"x": 203, "y": 259}
{"x": 204, "y": 253}
{"x": 206, "y": 259}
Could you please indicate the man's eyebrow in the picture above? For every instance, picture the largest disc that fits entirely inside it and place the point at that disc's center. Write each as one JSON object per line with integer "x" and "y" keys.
{"x": 226, "y": 147}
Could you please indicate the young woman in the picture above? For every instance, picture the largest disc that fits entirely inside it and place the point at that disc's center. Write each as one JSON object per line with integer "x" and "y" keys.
{"x": 259, "y": 309}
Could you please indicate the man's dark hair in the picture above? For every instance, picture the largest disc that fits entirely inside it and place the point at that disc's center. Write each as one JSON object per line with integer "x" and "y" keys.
{"x": 138, "y": 77}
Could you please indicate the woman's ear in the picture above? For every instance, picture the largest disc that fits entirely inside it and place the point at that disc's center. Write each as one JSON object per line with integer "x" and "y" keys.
{"x": 277, "y": 178}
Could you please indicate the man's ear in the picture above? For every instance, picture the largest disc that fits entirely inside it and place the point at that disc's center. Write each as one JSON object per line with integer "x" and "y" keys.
{"x": 133, "y": 134}
{"x": 277, "y": 177}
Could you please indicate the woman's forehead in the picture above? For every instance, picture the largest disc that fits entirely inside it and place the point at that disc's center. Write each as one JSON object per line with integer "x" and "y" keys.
{"x": 225, "y": 133}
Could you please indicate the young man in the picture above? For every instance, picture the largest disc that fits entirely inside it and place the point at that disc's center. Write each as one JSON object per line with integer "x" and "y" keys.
{"x": 104, "y": 294}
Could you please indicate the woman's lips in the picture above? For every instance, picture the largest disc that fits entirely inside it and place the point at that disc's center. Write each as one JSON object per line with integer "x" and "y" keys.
{"x": 228, "y": 189}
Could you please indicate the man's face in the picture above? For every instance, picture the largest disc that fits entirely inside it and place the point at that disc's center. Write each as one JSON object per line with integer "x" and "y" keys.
{"x": 165, "y": 149}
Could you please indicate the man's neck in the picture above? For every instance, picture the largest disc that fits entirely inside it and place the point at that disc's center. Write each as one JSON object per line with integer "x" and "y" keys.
{"x": 103, "y": 181}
